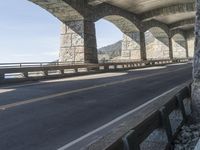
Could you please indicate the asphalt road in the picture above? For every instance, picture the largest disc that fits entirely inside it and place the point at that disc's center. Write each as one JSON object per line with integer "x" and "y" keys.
{"x": 47, "y": 115}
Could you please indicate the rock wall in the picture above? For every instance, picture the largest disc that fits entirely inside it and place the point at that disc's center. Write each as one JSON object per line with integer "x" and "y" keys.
{"x": 196, "y": 69}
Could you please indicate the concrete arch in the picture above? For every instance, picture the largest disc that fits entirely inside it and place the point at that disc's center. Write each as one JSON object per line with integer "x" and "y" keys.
{"x": 179, "y": 46}
{"x": 130, "y": 49}
{"x": 157, "y": 43}
{"x": 64, "y": 10}
{"x": 147, "y": 25}
{"x": 177, "y": 31}
{"x": 103, "y": 10}
{"x": 78, "y": 41}
{"x": 125, "y": 25}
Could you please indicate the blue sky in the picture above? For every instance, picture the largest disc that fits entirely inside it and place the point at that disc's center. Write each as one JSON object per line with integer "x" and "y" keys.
{"x": 29, "y": 33}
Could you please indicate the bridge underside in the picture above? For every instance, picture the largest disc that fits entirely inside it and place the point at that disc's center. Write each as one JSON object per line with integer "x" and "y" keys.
{"x": 150, "y": 27}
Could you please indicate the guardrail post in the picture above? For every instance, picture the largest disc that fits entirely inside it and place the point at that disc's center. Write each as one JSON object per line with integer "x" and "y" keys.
{"x": 166, "y": 123}
{"x": 130, "y": 141}
{"x": 106, "y": 68}
{"x": 115, "y": 67}
{"x": 76, "y": 70}
{"x": 2, "y": 76}
{"x": 132, "y": 65}
{"x": 88, "y": 69}
{"x": 62, "y": 72}
{"x": 45, "y": 73}
{"x": 147, "y": 63}
{"x": 25, "y": 74}
{"x": 181, "y": 106}
{"x": 152, "y": 63}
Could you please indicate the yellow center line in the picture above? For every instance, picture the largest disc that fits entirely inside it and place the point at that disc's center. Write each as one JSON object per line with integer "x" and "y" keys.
{"x": 28, "y": 101}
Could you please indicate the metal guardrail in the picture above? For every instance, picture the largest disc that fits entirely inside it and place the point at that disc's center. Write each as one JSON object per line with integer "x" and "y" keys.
{"x": 127, "y": 60}
{"x": 153, "y": 127}
{"x": 46, "y": 69}
{"x": 36, "y": 64}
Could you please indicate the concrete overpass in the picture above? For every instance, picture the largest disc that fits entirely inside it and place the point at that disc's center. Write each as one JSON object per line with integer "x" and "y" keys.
{"x": 152, "y": 28}
{"x": 55, "y": 114}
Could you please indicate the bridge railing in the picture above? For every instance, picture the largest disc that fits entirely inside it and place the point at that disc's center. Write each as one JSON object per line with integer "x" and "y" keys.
{"x": 153, "y": 127}
{"x": 31, "y": 70}
{"x": 36, "y": 64}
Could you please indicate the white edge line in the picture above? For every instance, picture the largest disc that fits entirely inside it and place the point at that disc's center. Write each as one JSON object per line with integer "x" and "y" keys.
{"x": 113, "y": 121}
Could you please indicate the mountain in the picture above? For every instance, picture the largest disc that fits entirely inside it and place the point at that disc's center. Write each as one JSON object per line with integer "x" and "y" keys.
{"x": 110, "y": 51}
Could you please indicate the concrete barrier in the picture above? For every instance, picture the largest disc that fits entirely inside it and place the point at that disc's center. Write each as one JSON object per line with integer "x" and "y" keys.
{"x": 153, "y": 127}
{"x": 197, "y": 147}
{"x": 48, "y": 68}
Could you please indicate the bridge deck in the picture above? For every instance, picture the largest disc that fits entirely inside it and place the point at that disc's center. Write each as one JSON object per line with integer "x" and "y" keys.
{"x": 49, "y": 114}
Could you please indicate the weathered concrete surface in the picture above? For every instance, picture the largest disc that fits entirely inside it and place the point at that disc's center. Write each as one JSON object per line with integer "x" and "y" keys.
{"x": 190, "y": 42}
{"x": 196, "y": 69}
{"x": 191, "y": 46}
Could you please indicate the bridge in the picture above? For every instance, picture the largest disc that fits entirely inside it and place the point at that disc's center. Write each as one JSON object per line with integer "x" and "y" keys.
{"x": 171, "y": 27}
{"x": 81, "y": 103}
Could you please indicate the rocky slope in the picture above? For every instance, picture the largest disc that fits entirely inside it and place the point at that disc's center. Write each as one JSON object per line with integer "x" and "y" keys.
{"x": 110, "y": 51}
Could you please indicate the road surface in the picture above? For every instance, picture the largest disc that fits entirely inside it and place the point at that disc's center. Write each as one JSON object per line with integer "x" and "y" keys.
{"x": 49, "y": 114}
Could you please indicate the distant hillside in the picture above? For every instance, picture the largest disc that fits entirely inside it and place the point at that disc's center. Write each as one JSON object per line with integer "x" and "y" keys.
{"x": 110, "y": 51}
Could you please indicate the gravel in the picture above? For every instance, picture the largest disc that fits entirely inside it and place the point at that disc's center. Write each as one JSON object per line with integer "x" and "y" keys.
{"x": 188, "y": 137}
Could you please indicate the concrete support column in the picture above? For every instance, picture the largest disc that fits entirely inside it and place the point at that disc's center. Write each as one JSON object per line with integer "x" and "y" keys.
{"x": 179, "y": 47}
{"x": 196, "y": 69}
{"x": 170, "y": 49}
{"x": 131, "y": 46}
{"x": 78, "y": 42}
{"x": 190, "y": 43}
{"x": 142, "y": 46}
{"x": 187, "y": 48}
{"x": 2, "y": 76}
